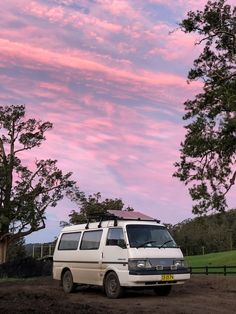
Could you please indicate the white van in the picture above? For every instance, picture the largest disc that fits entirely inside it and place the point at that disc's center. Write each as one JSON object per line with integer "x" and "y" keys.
{"x": 126, "y": 249}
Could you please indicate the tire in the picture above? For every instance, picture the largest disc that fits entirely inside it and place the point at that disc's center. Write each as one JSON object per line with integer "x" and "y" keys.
{"x": 163, "y": 290}
{"x": 67, "y": 282}
{"x": 112, "y": 286}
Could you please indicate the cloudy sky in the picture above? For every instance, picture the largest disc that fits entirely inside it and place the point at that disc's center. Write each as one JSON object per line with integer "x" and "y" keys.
{"x": 112, "y": 79}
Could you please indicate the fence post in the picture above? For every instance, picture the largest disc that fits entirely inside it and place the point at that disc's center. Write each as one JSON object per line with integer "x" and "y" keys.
{"x": 41, "y": 250}
{"x": 225, "y": 270}
{"x": 203, "y": 250}
{"x": 206, "y": 270}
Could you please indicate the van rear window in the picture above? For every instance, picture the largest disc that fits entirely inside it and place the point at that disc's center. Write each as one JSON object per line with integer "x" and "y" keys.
{"x": 69, "y": 241}
{"x": 91, "y": 240}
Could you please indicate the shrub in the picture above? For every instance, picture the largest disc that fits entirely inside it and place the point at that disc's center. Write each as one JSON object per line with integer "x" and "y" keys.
{"x": 26, "y": 267}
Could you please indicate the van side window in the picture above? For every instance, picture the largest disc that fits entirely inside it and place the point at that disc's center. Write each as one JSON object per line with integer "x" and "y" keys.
{"x": 115, "y": 236}
{"x": 91, "y": 240}
{"x": 69, "y": 241}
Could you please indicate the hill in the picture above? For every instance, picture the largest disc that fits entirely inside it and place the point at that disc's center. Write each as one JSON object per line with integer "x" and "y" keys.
{"x": 206, "y": 234}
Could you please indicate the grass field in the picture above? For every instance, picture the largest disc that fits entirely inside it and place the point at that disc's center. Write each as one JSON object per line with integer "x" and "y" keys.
{"x": 227, "y": 258}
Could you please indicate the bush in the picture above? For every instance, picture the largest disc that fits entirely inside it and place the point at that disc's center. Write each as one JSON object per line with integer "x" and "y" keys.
{"x": 26, "y": 267}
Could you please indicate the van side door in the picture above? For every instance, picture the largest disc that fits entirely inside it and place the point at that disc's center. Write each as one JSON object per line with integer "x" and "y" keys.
{"x": 90, "y": 252}
{"x": 115, "y": 255}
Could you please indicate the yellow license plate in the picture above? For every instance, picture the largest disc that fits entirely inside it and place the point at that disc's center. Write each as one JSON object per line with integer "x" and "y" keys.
{"x": 167, "y": 277}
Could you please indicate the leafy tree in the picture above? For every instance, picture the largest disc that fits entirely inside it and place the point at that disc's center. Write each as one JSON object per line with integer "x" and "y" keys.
{"x": 211, "y": 233}
{"x": 25, "y": 194}
{"x": 92, "y": 205}
{"x": 16, "y": 249}
{"x": 208, "y": 153}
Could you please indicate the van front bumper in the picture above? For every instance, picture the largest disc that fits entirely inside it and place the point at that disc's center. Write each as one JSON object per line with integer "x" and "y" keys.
{"x": 140, "y": 281}
{"x": 145, "y": 278}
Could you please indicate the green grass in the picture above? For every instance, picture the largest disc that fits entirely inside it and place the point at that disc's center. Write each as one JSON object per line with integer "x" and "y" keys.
{"x": 213, "y": 259}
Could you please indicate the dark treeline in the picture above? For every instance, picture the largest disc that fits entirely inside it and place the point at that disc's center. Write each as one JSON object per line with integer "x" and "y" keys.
{"x": 207, "y": 234}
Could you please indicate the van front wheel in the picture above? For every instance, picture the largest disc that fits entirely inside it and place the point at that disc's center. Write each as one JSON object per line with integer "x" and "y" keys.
{"x": 112, "y": 286}
{"x": 67, "y": 282}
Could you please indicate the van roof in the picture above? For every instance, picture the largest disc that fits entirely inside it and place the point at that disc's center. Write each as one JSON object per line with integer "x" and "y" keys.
{"x": 113, "y": 218}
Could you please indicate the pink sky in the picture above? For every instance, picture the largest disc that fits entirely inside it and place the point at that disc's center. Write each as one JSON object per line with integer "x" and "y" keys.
{"x": 112, "y": 80}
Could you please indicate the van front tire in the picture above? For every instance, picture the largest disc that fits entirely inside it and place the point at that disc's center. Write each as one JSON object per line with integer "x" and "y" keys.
{"x": 112, "y": 286}
{"x": 67, "y": 282}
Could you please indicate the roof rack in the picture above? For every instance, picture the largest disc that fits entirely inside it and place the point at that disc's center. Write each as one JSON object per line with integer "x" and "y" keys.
{"x": 118, "y": 215}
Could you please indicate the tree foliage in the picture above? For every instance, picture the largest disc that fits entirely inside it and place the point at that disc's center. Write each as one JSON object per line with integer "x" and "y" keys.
{"x": 207, "y": 160}
{"x": 212, "y": 233}
{"x": 91, "y": 206}
{"x": 25, "y": 193}
{"x": 16, "y": 249}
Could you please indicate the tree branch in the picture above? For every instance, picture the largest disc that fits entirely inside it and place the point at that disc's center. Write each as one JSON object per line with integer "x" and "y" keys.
{"x": 2, "y": 152}
{"x": 17, "y": 235}
{"x": 22, "y": 149}
{"x": 232, "y": 181}
{"x": 31, "y": 179}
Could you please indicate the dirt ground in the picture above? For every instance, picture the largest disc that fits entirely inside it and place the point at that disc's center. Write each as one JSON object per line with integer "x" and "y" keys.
{"x": 201, "y": 294}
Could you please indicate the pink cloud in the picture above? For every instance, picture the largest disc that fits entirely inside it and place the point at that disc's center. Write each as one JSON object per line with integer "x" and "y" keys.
{"x": 112, "y": 81}
{"x": 192, "y": 5}
{"x": 83, "y": 154}
{"x": 54, "y": 87}
{"x": 15, "y": 52}
{"x": 119, "y": 7}
{"x": 178, "y": 47}
{"x": 77, "y": 19}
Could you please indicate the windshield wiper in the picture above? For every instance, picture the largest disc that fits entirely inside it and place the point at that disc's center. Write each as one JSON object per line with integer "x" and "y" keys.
{"x": 145, "y": 243}
{"x": 165, "y": 243}
{"x": 150, "y": 242}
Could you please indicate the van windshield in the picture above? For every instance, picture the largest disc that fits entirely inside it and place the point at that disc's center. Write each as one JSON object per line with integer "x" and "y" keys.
{"x": 149, "y": 236}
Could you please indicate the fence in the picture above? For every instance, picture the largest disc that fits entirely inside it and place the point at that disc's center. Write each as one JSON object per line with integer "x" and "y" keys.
{"x": 42, "y": 250}
{"x": 208, "y": 270}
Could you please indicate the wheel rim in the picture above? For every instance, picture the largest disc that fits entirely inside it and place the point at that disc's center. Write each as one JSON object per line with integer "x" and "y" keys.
{"x": 67, "y": 281}
{"x": 112, "y": 285}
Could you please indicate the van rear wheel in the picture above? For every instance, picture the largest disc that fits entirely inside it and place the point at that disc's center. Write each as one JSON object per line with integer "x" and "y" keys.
{"x": 112, "y": 286}
{"x": 67, "y": 282}
{"x": 163, "y": 290}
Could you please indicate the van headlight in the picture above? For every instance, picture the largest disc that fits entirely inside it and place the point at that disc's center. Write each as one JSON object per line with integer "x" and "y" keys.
{"x": 139, "y": 264}
{"x": 179, "y": 263}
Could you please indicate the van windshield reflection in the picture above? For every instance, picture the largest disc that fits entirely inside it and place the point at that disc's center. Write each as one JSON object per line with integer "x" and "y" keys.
{"x": 149, "y": 236}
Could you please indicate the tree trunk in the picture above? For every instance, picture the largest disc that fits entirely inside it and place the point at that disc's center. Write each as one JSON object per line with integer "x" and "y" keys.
{"x": 3, "y": 250}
